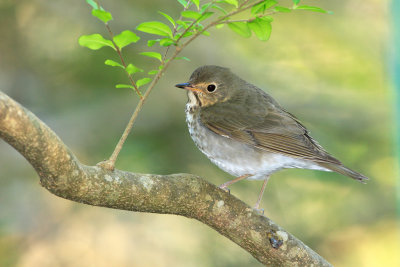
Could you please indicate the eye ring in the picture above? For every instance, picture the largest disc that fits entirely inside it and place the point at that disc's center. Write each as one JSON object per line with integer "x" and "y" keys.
{"x": 211, "y": 88}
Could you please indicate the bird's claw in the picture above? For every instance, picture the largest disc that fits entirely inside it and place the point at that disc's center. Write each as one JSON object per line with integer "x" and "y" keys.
{"x": 226, "y": 189}
{"x": 259, "y": 211}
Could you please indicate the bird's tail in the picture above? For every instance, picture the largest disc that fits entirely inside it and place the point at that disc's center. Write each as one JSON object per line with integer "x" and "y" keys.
{"x": 345, "y": 171}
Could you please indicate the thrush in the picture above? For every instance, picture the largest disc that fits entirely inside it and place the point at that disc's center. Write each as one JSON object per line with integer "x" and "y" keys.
{"x": 246, "y": 133}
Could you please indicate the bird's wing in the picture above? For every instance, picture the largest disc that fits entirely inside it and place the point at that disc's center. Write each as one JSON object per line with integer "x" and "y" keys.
{"x": 270, "y": 128}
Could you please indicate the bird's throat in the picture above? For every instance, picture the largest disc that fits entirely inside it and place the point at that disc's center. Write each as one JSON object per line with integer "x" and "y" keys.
{"x": 194, "y": 99}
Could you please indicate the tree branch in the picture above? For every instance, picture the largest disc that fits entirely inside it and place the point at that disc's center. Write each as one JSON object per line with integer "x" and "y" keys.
{"x": 62, "y": 174}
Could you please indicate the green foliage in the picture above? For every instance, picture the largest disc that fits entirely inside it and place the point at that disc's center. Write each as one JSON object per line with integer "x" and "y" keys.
{"x": 94, "y": 41}
{"x": 313, "y": 8}
{"x": 152, "y": 54}
{"x": 152, "y": 72}
{"x": 193, "y": 21}
{"x": 168, "y": 17}
{"x": 183, "y": 3}
{"x": 125, "y": 38}
{"x": 217, "y": 7}
{"x": 282, "y": 9}
{"x": 93, "y": 4}
{"x": 191, "y": 14}
{"x": 231, "y": 2}
{"x": 142, "y": 82}
{"x": 112, "y": 63}
{"x": 197, "y": 3}
{"x": 261, "y": 28}
{"x": 185, "y": 58}
{"x": 131, "y": 69}
{"x": 155, "y": 27}
{"x": 120, "y": 85}
{"x": 241, "y": 28}
{"x": 102, "y": 15}
{"x": 261, "y": 7}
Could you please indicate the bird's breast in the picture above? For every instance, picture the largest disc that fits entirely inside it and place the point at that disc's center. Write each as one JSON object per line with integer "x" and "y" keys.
{"x": 234, "y": 157}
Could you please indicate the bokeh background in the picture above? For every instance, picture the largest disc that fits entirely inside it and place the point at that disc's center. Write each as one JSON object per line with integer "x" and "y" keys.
{"x": 335, "y": 72}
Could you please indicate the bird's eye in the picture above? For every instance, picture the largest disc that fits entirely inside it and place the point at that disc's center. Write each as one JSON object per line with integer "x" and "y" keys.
{"x": 211, "y": 88}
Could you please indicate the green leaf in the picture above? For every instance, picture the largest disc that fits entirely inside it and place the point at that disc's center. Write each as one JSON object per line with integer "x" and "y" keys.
{"x": 120, "y": 85}
{"x": 205, "y": 15}
{"x": 185, "y": 58}
{"x": 94, "y": 41}
{"x": 102, "y": 15}
{"x": 240, "y": 28}
{"x": 261, "y": 7}
{"x": 152, "y": 54}
{"x": 93, "y": 4}
{"x": 219, "y": 26}
{"x": 206, "y": 33}
{"x": 296, "y": 2}
{"x": 152, "y": 72}
{"x": 113, "y": 63}
{"x": 142, "y": 82}
{"x": 168, "y": 17}
{"x": 155, "y": 27}
{"x": 190, "y": 14}
{"x": 125, "y": 38}
{"x": 131, "y": 69}
{"x": 267, "y": 18}
{"x": 232, "y": 2}
{"x": 313, "y": 8}
{"x": 183, "y": 3}
{"x": 197, "y": 3}
{"x": 204, "y": 7}
{"x": 187, "y": 34}
{"x": 185, "y": 24}
{"x": 150, "y": 43}
{"x": 261, "y": 28}
{"x": 282, "y": 9}
{"x": 166, "y": 42}
{"x": 220, "y": 9}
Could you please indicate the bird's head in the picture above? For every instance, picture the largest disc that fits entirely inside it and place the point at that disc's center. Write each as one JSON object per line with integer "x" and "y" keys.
{"x": 211, "y": 84}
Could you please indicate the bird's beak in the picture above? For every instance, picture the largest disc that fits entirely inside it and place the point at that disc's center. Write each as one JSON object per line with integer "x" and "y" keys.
{"x": 187, "y": 86}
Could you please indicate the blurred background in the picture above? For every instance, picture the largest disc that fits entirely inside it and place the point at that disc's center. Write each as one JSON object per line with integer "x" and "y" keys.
{"x": 335, "y": 72}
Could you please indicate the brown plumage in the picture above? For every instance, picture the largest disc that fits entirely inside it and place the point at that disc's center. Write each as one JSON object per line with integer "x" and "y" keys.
{"x": 225, "y": 113}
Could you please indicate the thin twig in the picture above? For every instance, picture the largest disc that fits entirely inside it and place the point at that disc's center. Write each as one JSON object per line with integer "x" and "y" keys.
{"x": 123, "y": 61}
{"x": 110, "y": 163}
{"x": 120, "y": 55}
{"x": 175, "y": 29}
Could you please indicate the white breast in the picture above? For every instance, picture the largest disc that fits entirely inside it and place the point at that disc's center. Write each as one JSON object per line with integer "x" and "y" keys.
{"x": 234, "y": 157}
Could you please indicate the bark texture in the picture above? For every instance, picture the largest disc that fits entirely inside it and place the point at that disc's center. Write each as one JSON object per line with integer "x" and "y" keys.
{"x": 188, "y": 195}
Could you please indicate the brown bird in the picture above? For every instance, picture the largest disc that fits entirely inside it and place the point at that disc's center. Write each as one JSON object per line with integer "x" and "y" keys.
{"x": 246, "y": 133}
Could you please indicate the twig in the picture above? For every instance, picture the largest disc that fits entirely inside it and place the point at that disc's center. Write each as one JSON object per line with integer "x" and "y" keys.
{"x": 175, "y": 29}
{"x": 110, "y": 163}
{"x": 120, "y": 56}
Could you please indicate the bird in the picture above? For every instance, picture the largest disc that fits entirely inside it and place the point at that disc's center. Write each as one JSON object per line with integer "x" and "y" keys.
{"x": 247, "y": 133}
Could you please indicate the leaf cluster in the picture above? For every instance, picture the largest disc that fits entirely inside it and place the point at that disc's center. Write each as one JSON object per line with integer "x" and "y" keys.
{"x": 194, "y": 20}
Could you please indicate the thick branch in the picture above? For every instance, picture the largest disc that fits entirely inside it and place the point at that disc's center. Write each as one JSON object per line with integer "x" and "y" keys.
{"x": 182, "y": 194}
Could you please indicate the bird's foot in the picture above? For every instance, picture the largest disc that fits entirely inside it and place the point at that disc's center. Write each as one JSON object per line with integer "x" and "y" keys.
{"x": 226, "y": 189}
{"x": 259, "y": 211}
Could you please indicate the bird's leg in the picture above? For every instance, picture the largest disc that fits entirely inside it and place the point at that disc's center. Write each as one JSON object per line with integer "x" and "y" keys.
{"x": 224, "y": 186}
{"x": 257, "y": 205}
